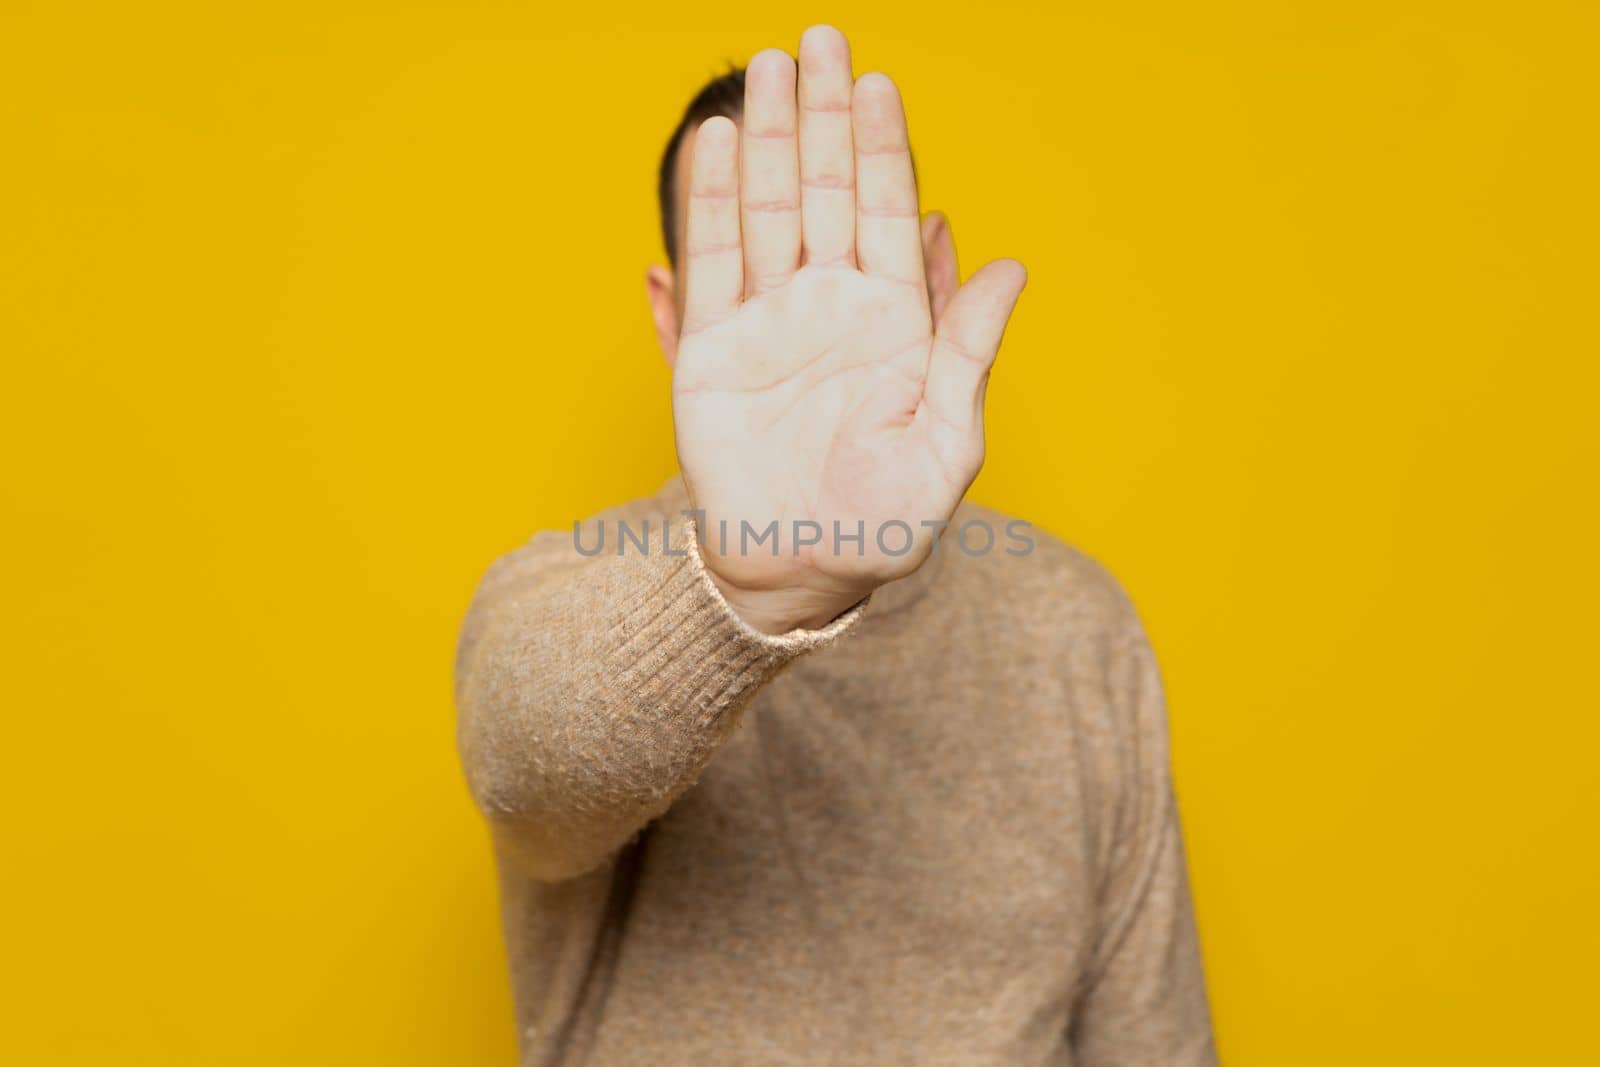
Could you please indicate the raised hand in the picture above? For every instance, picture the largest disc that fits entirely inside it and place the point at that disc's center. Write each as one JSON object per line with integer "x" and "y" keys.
{"x": 812, "y": 386}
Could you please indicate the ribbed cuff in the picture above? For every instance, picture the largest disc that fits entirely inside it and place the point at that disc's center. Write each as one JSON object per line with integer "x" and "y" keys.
{"x": 675, "y": 642}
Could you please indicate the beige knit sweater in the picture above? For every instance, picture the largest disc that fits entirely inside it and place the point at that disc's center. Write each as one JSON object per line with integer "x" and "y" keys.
{"x": 939, "y": 831}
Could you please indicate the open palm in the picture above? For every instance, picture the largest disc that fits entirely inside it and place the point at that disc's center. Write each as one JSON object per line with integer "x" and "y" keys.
{"x": 812, "y": 386}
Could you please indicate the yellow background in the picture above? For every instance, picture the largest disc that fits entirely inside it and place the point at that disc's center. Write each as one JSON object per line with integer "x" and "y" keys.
{"x": 310, "y": 310}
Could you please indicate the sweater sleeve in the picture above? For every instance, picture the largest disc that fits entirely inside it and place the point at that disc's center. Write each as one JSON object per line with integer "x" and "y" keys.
{"x": 591, "y": 690}
{"x": 1144, "y": 1000}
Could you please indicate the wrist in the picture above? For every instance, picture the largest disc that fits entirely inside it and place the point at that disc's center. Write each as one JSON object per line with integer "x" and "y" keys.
{"x": 779, "y": 611}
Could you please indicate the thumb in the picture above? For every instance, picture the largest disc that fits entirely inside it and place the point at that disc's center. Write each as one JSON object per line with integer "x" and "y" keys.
{"x": 968, "y": 339}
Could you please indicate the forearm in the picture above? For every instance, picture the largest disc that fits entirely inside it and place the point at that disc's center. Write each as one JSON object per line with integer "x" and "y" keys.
{"x": 592, "y": 694}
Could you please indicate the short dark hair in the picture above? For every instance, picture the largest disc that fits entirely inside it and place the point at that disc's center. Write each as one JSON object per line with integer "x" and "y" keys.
{"x": 722, "y": 95}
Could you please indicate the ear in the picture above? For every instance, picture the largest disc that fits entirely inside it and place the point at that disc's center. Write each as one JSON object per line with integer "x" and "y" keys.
{"x": 939, "y": 262}
{"x": 662, "y": 292}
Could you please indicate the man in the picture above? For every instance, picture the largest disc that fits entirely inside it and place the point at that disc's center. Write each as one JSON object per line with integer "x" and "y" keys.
{"x": 798, "y": 781}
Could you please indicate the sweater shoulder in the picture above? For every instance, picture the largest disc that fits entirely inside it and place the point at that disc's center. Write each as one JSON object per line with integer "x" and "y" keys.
{"x": 1035, "y": 579}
